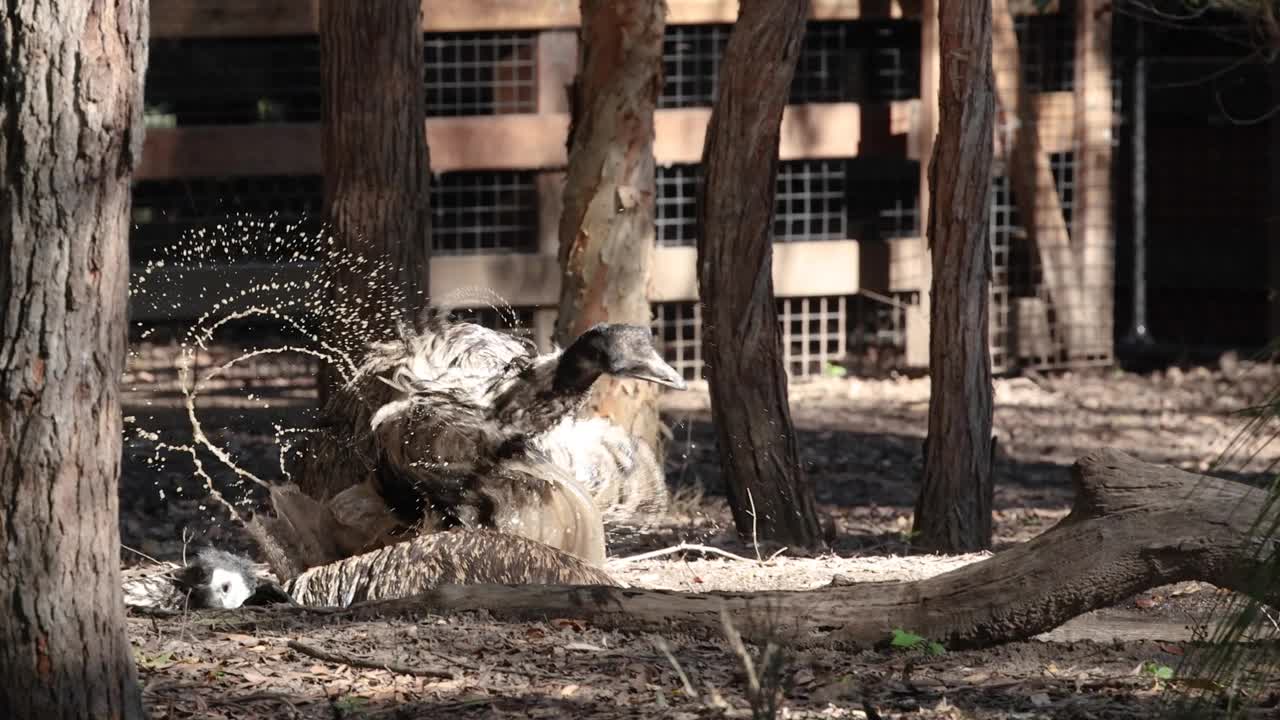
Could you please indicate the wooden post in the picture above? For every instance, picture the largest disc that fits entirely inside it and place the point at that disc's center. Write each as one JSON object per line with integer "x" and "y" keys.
{"x": 557, "y": 65}
{"x": 550, "y": 187}
{"x": 1093, "y": 233}
{"x": 917, "y": 350}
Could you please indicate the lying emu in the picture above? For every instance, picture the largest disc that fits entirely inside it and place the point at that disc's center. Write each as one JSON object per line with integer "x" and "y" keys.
{"x": 210, "y": 578}
{"x": 214, "y": 579}
{"x": 456, "y": 425}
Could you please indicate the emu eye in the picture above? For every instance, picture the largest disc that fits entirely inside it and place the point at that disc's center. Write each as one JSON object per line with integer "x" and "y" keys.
{"x": 226, "y": 587}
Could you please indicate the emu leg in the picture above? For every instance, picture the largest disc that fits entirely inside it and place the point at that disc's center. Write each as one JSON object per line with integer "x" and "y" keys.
{"x": 1134, "y": 526}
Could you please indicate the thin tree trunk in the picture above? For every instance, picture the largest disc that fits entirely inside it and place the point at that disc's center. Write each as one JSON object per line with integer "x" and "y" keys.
{"x": 1035, "y": 192}
{"x": 71, "y": 77}
{"x": 768, "y": 492}
{"x": 953, "y": 512}
{"x": 607, "y": 227}
{"x": 374, "y": 148}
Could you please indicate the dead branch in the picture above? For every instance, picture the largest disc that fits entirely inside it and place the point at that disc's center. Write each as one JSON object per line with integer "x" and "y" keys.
{"x": 343, "y": 659}
{"x": 1134, "y": 526}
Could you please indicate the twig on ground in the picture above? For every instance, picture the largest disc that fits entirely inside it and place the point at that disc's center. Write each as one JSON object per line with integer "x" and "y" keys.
{"x": 705, "y": 549}
{"x": 755, "y": 540}
{"x": 142, "y": 555}
{"x": 665, "y": 649}
{"x": 340, "y": 659}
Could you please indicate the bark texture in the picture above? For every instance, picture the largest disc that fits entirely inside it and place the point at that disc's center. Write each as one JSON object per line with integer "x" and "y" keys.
{"x": 1134, "y": 526}
{"x": 71, "y": 77}
{"x": 742, "y": 340}
{"x": 374, "y": 143}
{"x": 607, "y": 226}
{"x": 953, "y": 512}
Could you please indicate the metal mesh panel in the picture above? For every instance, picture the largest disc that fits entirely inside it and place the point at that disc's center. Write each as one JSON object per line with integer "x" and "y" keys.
{"x": 825, "y": 69}
{"x": 691, "y": 64}
{"x": 233, "y": 81}
{"x": 1063, "y": 319}
{"x": 811, "y": 202}
{"x": 484, "y": 213}
{"x": 481, "y": 73}
{"x": 856, "y": 61}
{"x": 516, "y": 321}
{"x": 1047, "y": 46}
{"x": 814, "y": 334}
{"x": 839, "y": 62}
{"x": 676, "y": 213}
{"x": 237, "y": 81}
{"x": 472, "y": 212}
{"x": 677, "y": 328}
{"x": 164, "y": 209}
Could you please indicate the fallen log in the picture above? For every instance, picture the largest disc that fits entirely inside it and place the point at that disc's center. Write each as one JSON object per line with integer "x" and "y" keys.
{"x": 1133, "y": 526}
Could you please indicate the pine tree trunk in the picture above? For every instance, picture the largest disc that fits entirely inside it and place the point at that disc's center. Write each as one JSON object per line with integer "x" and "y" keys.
{"x": 953, "y": 513}
{"x": 374, "y": 148}
{"x": 607, "y": 227}
{"x": 742, "y": 339}
{"x": 70, "y": 136}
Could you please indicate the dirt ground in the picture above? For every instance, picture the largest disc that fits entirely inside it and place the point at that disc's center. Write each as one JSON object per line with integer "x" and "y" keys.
{"x": 860, "y": 442}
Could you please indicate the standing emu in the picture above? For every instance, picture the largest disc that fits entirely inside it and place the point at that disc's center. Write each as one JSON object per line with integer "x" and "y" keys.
{"x": 456, "y": 425}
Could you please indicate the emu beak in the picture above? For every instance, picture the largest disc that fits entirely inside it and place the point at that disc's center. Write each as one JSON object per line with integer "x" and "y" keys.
{"x": 655, "y": 370}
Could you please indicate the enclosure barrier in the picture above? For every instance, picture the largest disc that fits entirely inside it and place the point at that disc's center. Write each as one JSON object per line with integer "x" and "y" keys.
{"x": 233, "y": 111}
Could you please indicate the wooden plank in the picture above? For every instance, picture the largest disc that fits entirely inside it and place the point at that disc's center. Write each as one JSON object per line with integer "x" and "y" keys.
{"x": 495, "y": 142}
{"x": 492, "y": 142}
{"x": 264, "y": 18}
{"x": 1093, "y": 234}
{"x": 1055, "y": 121}
{"x": 808, "y": 131}
{"x": 917, "y": 271}
{"x": 261, "y": 18}
{"x": 557, "y": 65}
{"x": 800, "y": 269}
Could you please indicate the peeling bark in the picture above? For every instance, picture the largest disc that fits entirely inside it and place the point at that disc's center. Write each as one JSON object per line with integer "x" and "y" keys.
{"x": 741, "y": 337}
{"x": 953, "y": 512}
{"x": 607, "y": 226}
{"x": 71, "y": 129}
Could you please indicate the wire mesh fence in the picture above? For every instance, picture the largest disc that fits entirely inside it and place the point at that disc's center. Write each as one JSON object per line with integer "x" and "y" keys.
{"x": 1051, "y": 289}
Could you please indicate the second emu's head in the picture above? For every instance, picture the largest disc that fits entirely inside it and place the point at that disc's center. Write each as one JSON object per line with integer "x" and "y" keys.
{"x": 618, "y": 350}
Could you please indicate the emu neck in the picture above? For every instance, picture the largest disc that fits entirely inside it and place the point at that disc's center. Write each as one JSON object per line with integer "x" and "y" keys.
{"x": 541, "y": 395}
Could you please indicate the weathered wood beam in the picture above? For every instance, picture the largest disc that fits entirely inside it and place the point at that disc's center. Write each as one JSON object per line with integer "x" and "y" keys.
{"x": 491, "y": 142}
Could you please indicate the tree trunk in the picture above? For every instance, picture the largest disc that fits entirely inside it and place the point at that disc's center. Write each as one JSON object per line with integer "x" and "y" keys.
{"x": 70, "y": 136}
{"x": 374, "y": 148}
{"x": 953, "y": 512}
{"x": 1134, "y": 526}
{"x": 607, "y": 226}
{"x": 769, "y": 494}
{"x": 1035, "y": 192}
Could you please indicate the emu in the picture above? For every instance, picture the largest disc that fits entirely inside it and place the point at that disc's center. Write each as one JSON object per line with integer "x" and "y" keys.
{"x": 456, "y": 425}
{"x": 210, "y": 578}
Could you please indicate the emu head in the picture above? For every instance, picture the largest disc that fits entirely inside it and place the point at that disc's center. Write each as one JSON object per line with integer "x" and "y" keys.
{"x": 618, "y": 350}
{"x": 217, "y": 579}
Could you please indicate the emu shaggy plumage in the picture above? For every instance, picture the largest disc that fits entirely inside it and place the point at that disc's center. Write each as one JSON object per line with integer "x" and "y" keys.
{"x": 455, "y": 425}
